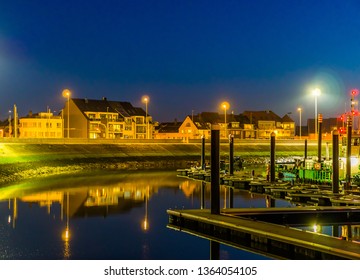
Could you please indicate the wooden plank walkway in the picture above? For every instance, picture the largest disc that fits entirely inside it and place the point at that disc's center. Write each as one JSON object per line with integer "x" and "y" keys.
{"x": 269, "y": 239}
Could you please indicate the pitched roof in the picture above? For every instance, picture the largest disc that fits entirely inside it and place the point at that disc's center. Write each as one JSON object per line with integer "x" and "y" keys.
{"x": 287, "y": 118}
{"x": 208, "y": 117}
{"x": 256, "y": 116}
{"x": 93, "y": 105}
{"x": 169, "y": 127}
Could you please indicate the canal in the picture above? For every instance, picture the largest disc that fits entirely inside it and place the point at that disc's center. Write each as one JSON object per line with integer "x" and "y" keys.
{"x": 110, "y": 215}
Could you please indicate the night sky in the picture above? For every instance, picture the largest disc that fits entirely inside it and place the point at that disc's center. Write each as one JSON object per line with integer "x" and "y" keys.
{"x": 186, "y": 55}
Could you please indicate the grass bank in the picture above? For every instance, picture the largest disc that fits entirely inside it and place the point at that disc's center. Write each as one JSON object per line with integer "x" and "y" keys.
{"x": 20, "y": 161}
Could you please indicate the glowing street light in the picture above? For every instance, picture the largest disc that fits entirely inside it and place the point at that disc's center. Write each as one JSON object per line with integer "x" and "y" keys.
{"x": 316, "y": 92}
{"x": 299, "y": 109}
{"x": 66, "y": 93}
{"x": 146, "y": 99}
{"x": 226, "y": 106}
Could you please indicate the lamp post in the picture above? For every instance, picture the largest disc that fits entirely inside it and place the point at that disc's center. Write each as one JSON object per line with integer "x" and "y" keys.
{"x": 225, "y": 105}
{"x": 299, "y": 109}
{"x": 10, "y": 126}
{"x": 66, "y": 93}
{"x": 146, "y": 99}
{"x": 316, "y": 92}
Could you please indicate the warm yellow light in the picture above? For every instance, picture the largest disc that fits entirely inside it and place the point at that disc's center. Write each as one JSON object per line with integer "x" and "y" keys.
{"x": 299, "y": 109}
{"x": 145, "y": 225}
{"x": 66, "y": 234}
{"x": 66, "y": 93}
{"x": 225, "y": 105}
{"x": 145, "y": 99}
{"x": 316, "y": 92}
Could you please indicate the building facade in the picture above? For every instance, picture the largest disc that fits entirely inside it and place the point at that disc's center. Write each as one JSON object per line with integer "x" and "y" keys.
{"x": 249, "y": 125}
{"x": 95, "y": 119}
{"x": 41, "y": 125}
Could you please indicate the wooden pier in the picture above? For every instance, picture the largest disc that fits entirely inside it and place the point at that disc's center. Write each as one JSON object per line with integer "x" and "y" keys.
{"x": 241, "y": 228}
{"x": 271, "y": 231}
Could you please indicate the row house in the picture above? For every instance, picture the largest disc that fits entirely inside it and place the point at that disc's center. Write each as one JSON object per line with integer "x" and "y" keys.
{"x": 266, "y": 122}
{"x": 94, "y": 119}
{"x": 249, "y": 125}
{"x": 41, "y": 125}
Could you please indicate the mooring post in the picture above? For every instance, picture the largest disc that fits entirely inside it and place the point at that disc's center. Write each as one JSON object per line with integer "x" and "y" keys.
{"x": 269, "y": 201}
{"x": 335, "y": 162}
{"x": 214, "y": 250}
{"x": 231, "y": 197}
{"x": 231, "y": 154}
{"x": 203, "y": 165}
{"x": 348, "y": 153}
{"x": 272, "y": 157}
{"x": 319, "y": 136}
{"x": 335, "y": 231}
{"x": 215, "y": 169}
{"x": 202, "y": 199}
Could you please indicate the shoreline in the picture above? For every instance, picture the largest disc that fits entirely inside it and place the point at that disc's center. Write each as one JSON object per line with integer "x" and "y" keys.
{"x": 24, "y": 161}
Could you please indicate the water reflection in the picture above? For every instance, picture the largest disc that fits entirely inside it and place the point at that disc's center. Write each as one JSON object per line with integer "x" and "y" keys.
{"x": 110, "y": 216}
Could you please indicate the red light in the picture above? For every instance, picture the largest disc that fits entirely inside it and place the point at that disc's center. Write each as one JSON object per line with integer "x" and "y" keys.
{"x": 354, "y": 92}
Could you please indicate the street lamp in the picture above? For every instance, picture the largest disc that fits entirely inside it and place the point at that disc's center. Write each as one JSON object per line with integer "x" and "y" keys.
{"x": 146, "y": 99}
{"x": 299, "y": 109}
{"x": 66, "y": 93}
{"x": 225, "y": 105}
{"x": 316, "y": 92}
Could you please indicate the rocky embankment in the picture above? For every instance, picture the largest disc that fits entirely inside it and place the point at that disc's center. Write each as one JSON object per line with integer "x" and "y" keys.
{"x": 19, "y": 161}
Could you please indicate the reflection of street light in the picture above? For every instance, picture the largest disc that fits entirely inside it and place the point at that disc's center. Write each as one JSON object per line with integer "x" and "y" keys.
{"x": 66, "y": 93}
{"x": 66, "y": 234}
{"x": 225, "y": 105}
{"x": 146, "y": 99}
{"x": 316, "y": 92}
{"x": 299, "y": 109}
{"x": 145, "y": 223}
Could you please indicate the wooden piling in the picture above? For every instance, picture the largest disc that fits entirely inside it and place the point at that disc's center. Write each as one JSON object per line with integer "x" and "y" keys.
{"x": 231, "y": 198}
{"x": 272, "y": 157}
{"x": 215, "y": 169}
{"x": 203, "y": 165}
{"x": 231, "y": 154}
{"x": 214, "y": 250}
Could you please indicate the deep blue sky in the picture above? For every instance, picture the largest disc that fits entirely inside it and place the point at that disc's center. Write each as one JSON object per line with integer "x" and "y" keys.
{"x": 186, "y": 55}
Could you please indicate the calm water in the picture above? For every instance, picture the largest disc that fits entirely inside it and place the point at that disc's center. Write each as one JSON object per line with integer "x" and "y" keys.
{"x": 107, "y": 216}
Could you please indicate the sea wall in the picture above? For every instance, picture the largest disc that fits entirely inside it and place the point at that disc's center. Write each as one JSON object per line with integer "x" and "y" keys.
{"x": 25, "y": 160}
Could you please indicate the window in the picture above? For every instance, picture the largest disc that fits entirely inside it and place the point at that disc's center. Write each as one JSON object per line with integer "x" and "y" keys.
{"x": 139, "y": 120}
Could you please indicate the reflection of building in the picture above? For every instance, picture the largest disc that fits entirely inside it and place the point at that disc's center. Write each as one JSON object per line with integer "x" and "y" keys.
{"x": 96, "y": 201}
{"x": 41, "y": 125}
{"x": 106, "y": 119}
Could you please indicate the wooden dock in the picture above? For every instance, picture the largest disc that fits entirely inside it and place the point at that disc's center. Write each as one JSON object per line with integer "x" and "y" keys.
{"x": 241, "y": 228}
{"x": 302, "y": 194}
